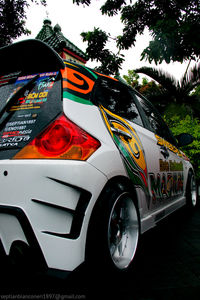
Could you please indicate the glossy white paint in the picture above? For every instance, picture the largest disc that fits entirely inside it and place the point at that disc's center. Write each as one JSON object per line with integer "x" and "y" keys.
{"x": 47, "y": 191}
{"x": 27, "y": 180}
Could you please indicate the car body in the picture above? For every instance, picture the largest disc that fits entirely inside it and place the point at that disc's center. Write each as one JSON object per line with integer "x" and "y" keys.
{"x": 86, "y": 163}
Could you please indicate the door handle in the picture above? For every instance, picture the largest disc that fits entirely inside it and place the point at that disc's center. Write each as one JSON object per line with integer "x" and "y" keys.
{"x": 126, "y": 135}
{"x": 164, "y": 152}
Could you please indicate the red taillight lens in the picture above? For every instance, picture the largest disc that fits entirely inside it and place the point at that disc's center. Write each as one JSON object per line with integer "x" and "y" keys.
{"x": 61, "y": 140}
{"x": 56, "y": 139}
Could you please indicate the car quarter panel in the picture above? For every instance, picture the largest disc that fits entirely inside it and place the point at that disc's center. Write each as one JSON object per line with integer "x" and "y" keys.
{"x": 107, "y": 157}
{"x": 50, "y": 194}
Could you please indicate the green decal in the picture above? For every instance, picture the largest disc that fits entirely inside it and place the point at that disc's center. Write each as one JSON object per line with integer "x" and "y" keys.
{"x": 76, "y": 98}
{"x": 93, "y": 74}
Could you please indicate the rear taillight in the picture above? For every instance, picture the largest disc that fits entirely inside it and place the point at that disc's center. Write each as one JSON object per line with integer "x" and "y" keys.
{"x": 61, "y": 140}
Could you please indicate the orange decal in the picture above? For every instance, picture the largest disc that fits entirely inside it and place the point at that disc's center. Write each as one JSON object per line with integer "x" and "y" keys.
{"x": 106, "y": 76}
{"x": 77, "y": 82}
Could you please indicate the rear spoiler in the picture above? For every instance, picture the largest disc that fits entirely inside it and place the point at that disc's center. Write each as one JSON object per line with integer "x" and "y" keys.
{"x": 29, "y": 56}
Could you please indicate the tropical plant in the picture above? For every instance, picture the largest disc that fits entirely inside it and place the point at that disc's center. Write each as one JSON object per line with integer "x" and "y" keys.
{"x": 149, "y": 88}
{"x": 178, "y": 92}
{"x": 189, "y": 125}
{"x": 132, "y": 79}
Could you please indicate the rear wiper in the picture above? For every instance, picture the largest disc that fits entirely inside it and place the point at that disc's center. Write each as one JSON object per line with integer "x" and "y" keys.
{"x": 15, "y": 97}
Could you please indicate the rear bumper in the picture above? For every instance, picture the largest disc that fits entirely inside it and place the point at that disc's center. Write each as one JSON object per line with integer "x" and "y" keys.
{"x": 47, "y": 206}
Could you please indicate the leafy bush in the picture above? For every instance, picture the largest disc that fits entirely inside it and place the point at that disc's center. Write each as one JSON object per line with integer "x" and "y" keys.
{"x": 189, "y": 125}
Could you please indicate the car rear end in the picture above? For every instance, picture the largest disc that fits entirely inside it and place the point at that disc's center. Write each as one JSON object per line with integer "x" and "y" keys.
{"x": 55, "y": 155}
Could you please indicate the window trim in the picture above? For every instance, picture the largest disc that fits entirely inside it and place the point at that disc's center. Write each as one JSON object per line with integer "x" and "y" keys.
{"x": 173, "y": 139}
{"x": 143, "y": 117}
{"x": 133, "y": 94}
{"x": 129, "y": 91}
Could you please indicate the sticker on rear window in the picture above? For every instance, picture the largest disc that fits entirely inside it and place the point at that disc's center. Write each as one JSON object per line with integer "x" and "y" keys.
{"x": 27, "y": 105}
{"x": 35, "y": 98}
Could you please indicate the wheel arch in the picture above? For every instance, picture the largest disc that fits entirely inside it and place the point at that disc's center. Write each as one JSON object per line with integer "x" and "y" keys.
{"x": 191, "y": 191}
{"x": 123, "y": 182}
{"x": 190, "y": 171}
{"x": 119, "y": 183}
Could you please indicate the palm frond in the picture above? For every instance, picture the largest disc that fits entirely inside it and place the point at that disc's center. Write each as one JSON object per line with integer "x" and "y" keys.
{"x": 191, "y": 79}
{"x": 167, "y": 81}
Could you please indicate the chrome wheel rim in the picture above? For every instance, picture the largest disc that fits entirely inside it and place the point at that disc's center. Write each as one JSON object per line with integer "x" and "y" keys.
{"x": 193, "y": 189}
{"x": 123, "y": 231}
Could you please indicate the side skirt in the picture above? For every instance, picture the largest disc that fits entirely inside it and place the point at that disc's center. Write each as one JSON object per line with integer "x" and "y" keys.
{"x": 151, "y": 219}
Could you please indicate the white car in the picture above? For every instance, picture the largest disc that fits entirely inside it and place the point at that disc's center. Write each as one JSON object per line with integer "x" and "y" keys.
{"x": 86, "y": 163}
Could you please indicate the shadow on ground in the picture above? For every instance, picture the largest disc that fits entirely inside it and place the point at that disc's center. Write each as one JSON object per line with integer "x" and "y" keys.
{"x": 167, "y": 266}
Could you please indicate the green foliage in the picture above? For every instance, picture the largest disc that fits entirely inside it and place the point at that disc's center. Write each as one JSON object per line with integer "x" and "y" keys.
{"x": 12, "y": 19}
{"x": 97, "y": 40}
{"x": 173, "y": 25}
{"x": 111, "y": 7}
{"x": 196, "y": 91}
{"x": 176, "y": 109}
{"x": 177, "y": 92}
{"x": 132, "y": 79}
{"x": 189, "y": 125}
{"x": 177, "y": 115}
{"x": 150, "y": 89}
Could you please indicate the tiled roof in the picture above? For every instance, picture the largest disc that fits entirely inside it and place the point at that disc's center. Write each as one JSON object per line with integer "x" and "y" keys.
{"x": 54, "y": 38}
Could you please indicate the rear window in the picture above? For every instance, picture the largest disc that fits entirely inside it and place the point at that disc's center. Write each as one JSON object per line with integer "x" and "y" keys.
{"x": 28, "y": 103}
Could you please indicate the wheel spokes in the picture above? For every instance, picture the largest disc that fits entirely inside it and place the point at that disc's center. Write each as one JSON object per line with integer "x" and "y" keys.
{"x": 123, "y": 232}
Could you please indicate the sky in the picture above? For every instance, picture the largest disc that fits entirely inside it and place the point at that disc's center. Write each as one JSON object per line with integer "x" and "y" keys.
{"x": 75, "y": 19}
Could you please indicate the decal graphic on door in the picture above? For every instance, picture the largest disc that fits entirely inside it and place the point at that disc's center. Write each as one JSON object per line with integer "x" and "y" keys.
{"x": 129, "y": 145}
{"x": 162, "y": 142}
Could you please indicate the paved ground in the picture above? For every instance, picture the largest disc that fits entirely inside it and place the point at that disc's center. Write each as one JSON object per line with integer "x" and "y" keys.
{"x": 167, "y": 268}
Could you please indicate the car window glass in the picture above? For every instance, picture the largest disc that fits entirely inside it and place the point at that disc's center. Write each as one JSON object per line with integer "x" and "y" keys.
{"x": 156, "y": 122}
{"x": 116, "y": 98}
{"x": 34, "y": 107}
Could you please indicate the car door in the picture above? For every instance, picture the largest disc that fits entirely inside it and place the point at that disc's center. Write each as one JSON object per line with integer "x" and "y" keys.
{"x": 166, "y": 168}
{"x": 127, "y": 129}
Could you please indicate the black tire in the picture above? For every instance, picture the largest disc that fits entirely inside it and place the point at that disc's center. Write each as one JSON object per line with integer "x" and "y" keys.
{"x": 113, "y": 230}
{"x": 191, "y": 191}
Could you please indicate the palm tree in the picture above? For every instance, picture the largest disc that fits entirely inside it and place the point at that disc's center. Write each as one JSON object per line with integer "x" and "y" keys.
{"x": 177, "y": 92}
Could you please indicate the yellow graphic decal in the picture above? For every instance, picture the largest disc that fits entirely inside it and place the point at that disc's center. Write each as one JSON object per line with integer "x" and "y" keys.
{"x": 132, "y": 145}
{"x": 67, "y": 63}
{"x": 162, "y": 142}
{"x": 106, "y": 121}
{"x": 128, "y": 143}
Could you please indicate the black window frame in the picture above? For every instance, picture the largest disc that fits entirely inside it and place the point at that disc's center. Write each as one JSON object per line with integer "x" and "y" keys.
{"x": 121, "y": 86}
{"x": 169, "y": 137}
{"x": 144, "y": 119}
